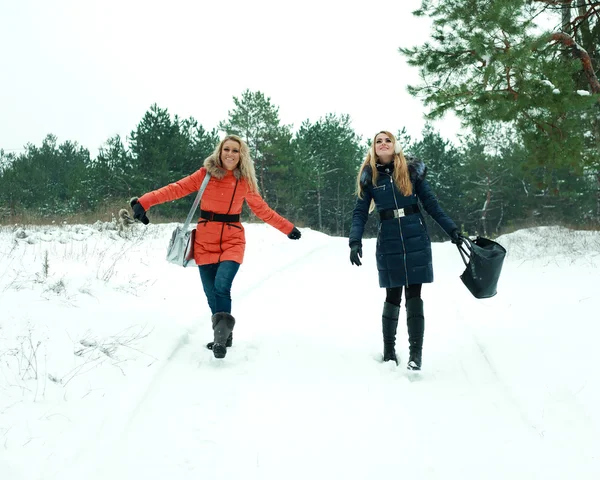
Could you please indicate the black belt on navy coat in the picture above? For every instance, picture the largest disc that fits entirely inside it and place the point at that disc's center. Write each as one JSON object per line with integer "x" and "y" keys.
{"x": 398, "y": 213}
{"x": 219, "y": 217}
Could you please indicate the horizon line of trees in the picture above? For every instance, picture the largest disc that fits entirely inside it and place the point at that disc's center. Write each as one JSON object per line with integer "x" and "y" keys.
{"x": 487, "y": 185}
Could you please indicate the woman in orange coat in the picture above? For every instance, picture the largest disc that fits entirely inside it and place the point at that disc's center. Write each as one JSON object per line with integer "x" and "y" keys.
{"x": 220, "y": 240}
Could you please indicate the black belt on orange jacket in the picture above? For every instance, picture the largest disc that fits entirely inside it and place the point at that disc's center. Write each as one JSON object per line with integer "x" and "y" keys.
{"x": 219, "y": 217}
{"x": 398, "y": 213}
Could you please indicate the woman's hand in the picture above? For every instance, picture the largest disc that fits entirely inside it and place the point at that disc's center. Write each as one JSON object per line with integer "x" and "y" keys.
{"x": 355, "y": 254}
{"x": 456, "y": 237}
{"x": 294, "y": 234}
{"x": 138, "y": 211}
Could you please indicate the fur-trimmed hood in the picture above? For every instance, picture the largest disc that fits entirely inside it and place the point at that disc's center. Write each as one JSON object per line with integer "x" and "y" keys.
{"x": 219, "y": 172}
{"x": 416, "y": 169}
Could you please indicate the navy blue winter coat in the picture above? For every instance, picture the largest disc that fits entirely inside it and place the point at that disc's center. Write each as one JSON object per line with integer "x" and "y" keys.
{"x": 403, "y": 244}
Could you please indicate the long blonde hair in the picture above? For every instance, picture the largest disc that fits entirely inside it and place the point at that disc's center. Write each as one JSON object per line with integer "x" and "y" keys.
{"x": 246, "y": 165}
{"x": 401, "y": 176}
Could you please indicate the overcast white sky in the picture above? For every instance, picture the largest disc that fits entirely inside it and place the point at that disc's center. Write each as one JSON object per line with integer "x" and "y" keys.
{"x": 87, "y": 70}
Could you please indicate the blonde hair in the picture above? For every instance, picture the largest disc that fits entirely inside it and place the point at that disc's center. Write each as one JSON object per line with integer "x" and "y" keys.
{"x": 246, "y": 165}
{"x": 400, "y": 174}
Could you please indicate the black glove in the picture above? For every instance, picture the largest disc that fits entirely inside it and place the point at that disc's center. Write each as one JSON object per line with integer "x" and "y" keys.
{"x": 355, "y": 254}
{"x": 138, "y": 211}
{"x": 294, "y": 234}
{"x": 456, "y": 237}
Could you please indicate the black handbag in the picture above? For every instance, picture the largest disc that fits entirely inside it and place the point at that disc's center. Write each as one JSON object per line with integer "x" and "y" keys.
{"x": 483, "y": 258}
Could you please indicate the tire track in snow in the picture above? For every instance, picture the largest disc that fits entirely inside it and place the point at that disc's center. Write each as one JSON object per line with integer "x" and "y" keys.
{"x": 184, "y": 339}
{"x": 550, "y": 441}
{"x": 541, "y": 430}
{"x": 500, "y": 383}
{"x": 504, "y": 388}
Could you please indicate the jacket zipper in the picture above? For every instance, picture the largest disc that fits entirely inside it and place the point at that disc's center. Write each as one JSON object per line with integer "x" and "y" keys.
{"x": 223, "y": 224}
{"x": 400, "y": 227}
{"x": 424, "y": 228}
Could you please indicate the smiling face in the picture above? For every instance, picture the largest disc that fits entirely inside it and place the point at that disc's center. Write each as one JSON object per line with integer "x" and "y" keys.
{"x": 230, "y": 154}
{"x": 384, "y": 148}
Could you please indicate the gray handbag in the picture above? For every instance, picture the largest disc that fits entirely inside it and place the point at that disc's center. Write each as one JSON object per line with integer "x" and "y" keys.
{"x": 181, "y": 246}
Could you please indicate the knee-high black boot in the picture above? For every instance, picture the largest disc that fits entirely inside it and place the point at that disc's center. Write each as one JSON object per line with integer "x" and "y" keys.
{"x": 389, "y": 323}
{"x": 223, "y": 324}
{"x": 415, "y": 322}
{"x": 229, "y": 343}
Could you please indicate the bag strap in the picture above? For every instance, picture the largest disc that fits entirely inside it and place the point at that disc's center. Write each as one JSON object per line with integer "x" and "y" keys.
{"x": 196, "y": 203}
{"x": 463, "y": 252}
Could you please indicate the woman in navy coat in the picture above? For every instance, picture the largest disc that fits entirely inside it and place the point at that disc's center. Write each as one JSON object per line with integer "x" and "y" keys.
{"x": 394, "y": 185}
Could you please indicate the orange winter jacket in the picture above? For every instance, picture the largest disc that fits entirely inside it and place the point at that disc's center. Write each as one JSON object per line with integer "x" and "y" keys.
{"x": 225, "y": 194}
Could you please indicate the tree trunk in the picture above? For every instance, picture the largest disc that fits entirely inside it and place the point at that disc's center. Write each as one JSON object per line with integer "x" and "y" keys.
{"x": 338, "y": 218}
{"x": 499, "y": 223}
{"x": 588, "y": 41}
{"x": 486, "y": 205}
{"x": 597, "y": 163}
{"x": 566, "y": 19}
{"x": 319, "y": 202}
{"x": 598, "y": 199}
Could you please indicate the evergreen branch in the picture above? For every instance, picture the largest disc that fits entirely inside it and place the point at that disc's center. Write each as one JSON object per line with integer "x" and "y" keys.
{"x": 509, "y": 87}
{"x": 577, "y": 21}
{"x": 508, "y": 68}
{"x": 555, "y": 2}
{"x": 583, "y": 19}
{"x": 460, "y": 53}
{"x": 580, "y": 53}
{"x": 540, "y": 126}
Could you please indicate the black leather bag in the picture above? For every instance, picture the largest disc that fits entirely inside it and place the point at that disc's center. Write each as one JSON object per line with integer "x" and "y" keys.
{"x": 483, "y": 259}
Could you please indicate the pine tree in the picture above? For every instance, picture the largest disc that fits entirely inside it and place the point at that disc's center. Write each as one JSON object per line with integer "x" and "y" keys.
{"x": 112, "y": 171}
{"x": 443, "y": 173}
{"x": 151, "y": 145}
{"x": 490, "y": 62}
{"x": 256, "y": 120}
{"x": 328, "y": 153}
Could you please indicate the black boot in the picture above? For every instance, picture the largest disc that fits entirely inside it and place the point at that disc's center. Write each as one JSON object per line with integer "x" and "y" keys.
{"x": 223, "y": 324}
{"x": 415, "y": 322}
{"x": 389, "y": 323}
{"x": 209, "y": 345}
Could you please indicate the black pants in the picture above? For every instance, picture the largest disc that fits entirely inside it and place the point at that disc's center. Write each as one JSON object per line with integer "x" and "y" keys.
{"x": 394, "y": 295}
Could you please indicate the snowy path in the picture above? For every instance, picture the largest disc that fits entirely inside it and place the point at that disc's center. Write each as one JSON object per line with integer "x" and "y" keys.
{"x": 303, "y": 394}
{"x": 509, "y": 389}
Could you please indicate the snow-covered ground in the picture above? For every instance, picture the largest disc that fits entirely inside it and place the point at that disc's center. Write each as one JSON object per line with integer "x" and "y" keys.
{"x": 104, "y": 374}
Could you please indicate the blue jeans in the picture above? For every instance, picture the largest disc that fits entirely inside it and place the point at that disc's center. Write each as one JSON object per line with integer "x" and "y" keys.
{"x": 216, "y": 281}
